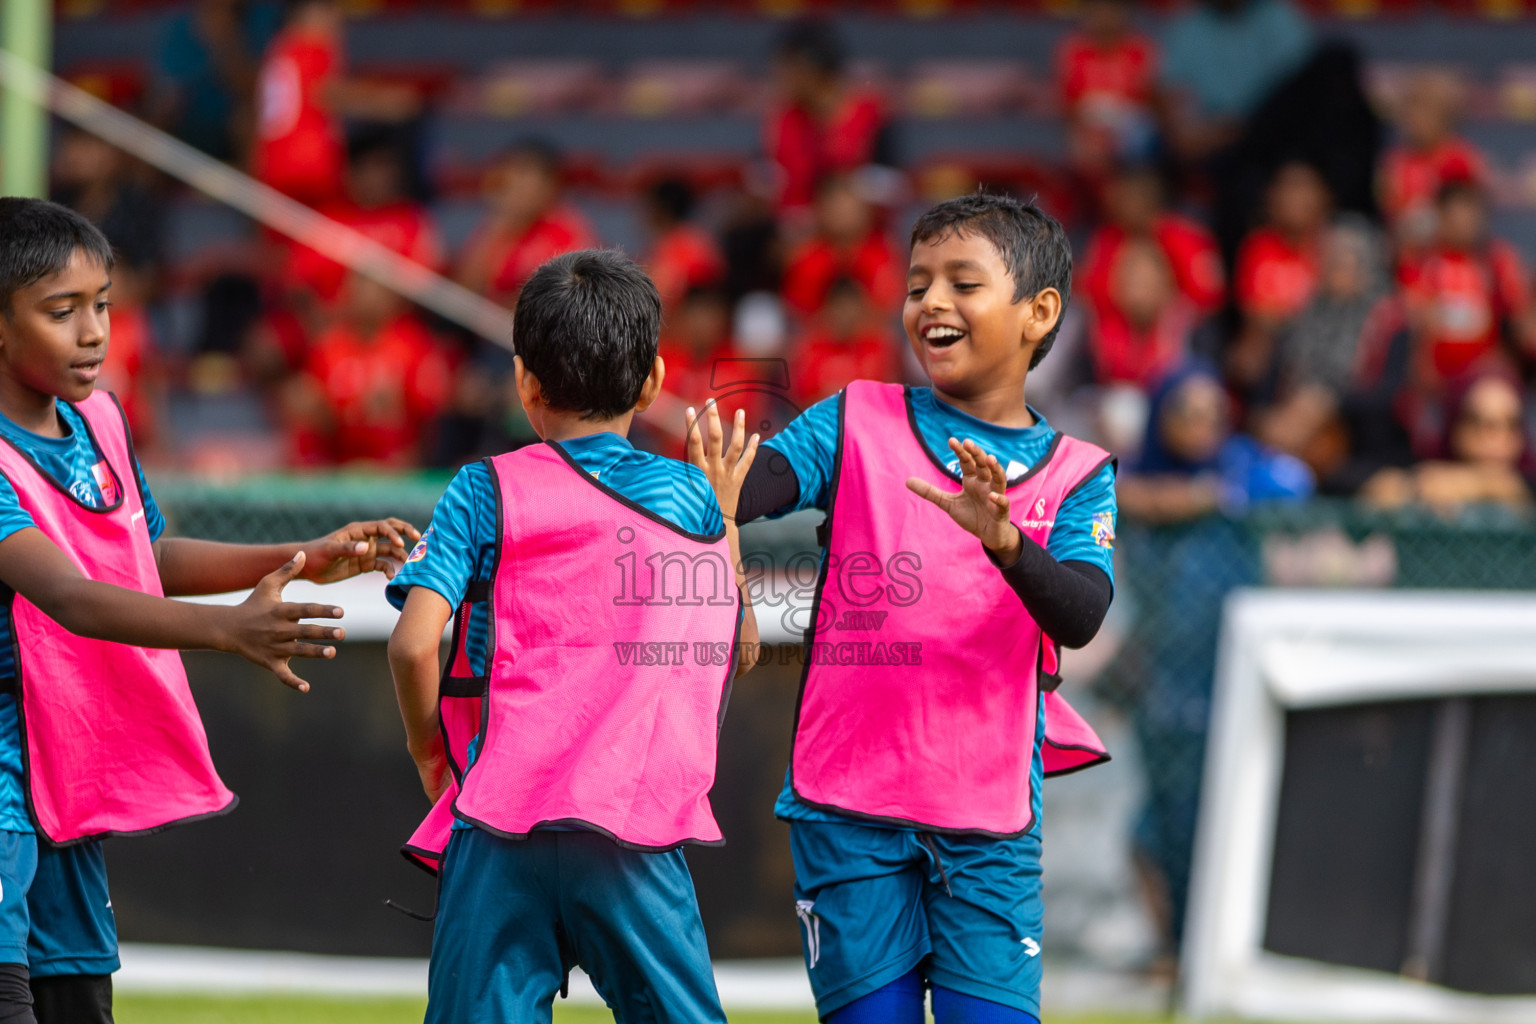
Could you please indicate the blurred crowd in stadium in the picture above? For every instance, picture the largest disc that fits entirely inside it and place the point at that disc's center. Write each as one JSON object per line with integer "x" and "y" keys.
{"x": 1286, "y": 282}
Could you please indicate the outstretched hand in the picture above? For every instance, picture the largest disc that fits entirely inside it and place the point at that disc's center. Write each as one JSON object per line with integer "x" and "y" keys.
{"x": 265, "y": 630}
{"x": 981, "y": 505}
{"x": 725, "y": 467}
{"x": 379, "y": 544}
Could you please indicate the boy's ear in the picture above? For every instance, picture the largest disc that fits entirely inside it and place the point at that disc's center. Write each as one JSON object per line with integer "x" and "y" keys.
{"x": 528, "y": 391}
{"x": 652, "y": 386}
{"x": 1042, "y": 310}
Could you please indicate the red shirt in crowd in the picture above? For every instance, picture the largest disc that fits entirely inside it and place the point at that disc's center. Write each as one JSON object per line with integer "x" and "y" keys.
{"x": 1275, "y": 277}
{"x": 683, "y": 258}
{"x": 816, "y": 265}
{"x": 382, "y": 391}
{"x": 1187, "y": 246}
{"x": 1460, "y": 301}
{"x": 1099, "y": 82}
{"x": 823, "y": 364}
{"x": 806, "y": 150}
{"x": 511, "y": 260}
{"x": 122, "y": 373}
{"x": 1125, "y": 353}
{"x": 299, "y": 148}
{"x": 1411, "y": 177}
{"x": 406, "y": 228}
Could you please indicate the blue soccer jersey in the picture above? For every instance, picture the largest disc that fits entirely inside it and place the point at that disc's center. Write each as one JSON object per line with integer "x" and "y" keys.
{"x": 459, "y": 546}
{"x": 71, "y": 461}
{"x": 1085, "y": 525}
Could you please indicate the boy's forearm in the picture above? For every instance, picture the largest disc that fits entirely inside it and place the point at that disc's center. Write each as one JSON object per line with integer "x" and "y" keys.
{"x": 747, "y": 635}
{"x": 190, "y": 567}
{"x": 416, "y": 683}
{"x": 102, "y": 611}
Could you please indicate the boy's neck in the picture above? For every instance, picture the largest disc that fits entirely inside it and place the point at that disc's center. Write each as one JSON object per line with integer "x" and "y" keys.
{"x": 1004, "y": 406}
{"x": 566, "y": 426}
{"x": 29, "y": 408}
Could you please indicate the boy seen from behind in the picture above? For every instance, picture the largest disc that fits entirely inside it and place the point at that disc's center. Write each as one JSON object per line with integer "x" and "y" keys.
{"x": 569, "y": 747}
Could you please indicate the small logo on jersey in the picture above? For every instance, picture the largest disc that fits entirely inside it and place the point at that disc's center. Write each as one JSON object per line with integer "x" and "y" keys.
{"x": 105, "y": 483}
{"x": 1031, "y": 947}
{"x": 1104, "y": 529}
{"x": 420, "y": 550}
{"x": 803, "y": 909}
{"x": 84, "y": 493}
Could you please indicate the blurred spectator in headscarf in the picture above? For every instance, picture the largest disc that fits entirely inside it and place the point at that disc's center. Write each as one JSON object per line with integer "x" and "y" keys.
{"x": 1323, "y": 361}
{"x": 823, "y": 125}
{"x": 1484, "y": 455}
{"x": 1106, "y": 72}
{"x": 1134, "y": 207}
{"x": 1469, "y": 293}
{"x": 1428, "y": 154}
{"x": 1192, "y": 467}
{"x": 526, "y": 225}
{"x": 205, "y": 74}
{"x": 1221, "y": 58}
{"x": 682, "y": 254}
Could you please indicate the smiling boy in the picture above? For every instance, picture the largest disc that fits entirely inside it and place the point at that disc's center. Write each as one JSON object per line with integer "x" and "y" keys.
{"x": 913, "y": 792}
{"x": 99, "y": 735}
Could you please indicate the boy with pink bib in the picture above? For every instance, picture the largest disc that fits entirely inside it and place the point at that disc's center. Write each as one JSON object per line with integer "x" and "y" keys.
{"x": 569, "y": 746}
{"x": 99, "y": 735}
{"x": 974, "y": 539}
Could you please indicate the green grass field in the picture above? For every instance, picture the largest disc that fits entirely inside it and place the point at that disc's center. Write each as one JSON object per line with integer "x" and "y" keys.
{"x": 138, "y": 1009}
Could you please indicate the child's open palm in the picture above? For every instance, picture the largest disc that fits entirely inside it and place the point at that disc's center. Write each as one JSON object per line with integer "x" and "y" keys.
{"x": 725, "y": 467}
{"x": 980, "y": 507}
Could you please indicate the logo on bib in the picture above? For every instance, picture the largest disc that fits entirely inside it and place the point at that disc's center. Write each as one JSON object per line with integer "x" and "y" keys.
{"x": 1104, "y": 529}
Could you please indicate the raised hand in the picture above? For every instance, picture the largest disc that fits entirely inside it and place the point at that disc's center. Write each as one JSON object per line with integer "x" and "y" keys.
{"x": 265, "y": 630}
{"x": 379, "y": 544}
{"x": 724, "y": 467}
{"x": 980, "y": 507}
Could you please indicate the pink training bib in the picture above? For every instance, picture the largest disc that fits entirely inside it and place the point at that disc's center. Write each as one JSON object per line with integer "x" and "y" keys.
{"x": 112, "y": 740}
{"x": 930, "y": 719}
{"x": 613, "y": 646}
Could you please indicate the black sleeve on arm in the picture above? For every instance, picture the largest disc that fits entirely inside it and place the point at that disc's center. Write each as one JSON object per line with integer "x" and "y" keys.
{"x": 1068, "y": 599}
{"x": 771, "y": 485}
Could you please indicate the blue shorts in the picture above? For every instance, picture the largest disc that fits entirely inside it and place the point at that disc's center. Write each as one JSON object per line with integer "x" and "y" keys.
{"x": 876, "y": 902}
{"x": 515, "y": 915}
{"x": 55, "y": 912}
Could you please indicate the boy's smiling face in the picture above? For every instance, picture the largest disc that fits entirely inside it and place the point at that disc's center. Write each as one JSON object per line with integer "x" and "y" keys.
{"x": 961, "y": 319}
{"x": 53, "y": 338}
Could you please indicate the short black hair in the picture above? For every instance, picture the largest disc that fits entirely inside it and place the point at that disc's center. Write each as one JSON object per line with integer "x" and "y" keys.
{"x": 37, "y": 239}
{"x": 586, "y": 326}
{"x": 1032, "y": 245}
{"x": 815, "y": 41}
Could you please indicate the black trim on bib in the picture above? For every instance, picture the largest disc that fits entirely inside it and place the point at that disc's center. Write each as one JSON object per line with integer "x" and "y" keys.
{"x": 906, "y": 397}
{"x": 95, "y": 447}
{"x": 634, "y": 506}
{"x": 584, "y": 826}
{"x": 1102, "y": 758}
